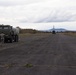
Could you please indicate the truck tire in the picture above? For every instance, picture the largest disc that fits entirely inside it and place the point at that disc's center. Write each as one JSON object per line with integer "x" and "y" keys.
{"x": 5, "y": 40}
{"x": 16, "y": 38}
{"x": 11, "y": 40}
{"x": 0, "y": 38}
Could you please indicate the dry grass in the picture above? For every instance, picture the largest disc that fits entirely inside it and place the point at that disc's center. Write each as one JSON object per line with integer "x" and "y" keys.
{"x": 27, "y": 34}
{"x": 28, "y": 65}
{"x": 8, "y": 65}
{"x": 71, "y": 34}
{"x": 37, "y": 34}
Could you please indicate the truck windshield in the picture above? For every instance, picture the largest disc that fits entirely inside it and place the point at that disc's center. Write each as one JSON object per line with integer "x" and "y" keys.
{"x": 6, "y": 27}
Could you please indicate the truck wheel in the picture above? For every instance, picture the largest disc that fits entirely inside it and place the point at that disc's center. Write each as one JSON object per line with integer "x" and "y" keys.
{"x": 16, "y": 38}
{"x": 11, "y": 40}
{"x": 0, "y": 38}
{"x": 5, "y": 40}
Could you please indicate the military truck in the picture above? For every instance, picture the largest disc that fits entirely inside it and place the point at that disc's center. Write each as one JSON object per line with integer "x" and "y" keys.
{"x": 9, "y": 34}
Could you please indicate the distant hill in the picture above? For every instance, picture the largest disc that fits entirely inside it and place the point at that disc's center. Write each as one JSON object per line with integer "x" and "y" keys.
{"x": 58, "y": 30}
{"x": 32, "y": 31}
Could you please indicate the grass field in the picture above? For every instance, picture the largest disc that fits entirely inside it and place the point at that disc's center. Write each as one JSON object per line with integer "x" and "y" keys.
{"x": 71, "y": 33}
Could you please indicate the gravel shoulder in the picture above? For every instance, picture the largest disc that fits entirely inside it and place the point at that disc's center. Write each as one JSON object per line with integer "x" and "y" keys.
{"x": 45, "y": 54}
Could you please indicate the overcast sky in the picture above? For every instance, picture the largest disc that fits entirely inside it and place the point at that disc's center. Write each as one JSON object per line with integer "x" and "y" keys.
{"x": 39, "y": 14}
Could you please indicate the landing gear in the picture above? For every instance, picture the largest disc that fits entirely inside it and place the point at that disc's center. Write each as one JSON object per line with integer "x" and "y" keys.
{"x": 53, "y": 32}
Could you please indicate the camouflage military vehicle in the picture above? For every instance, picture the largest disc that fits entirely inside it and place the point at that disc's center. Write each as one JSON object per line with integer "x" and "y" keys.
{"x": 9, "y": 34}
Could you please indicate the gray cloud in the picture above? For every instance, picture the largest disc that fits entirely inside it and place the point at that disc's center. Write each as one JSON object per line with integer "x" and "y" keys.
{"x": 18, "y": 2}
{"x": 37, "y": 11}
{"x": 57, "y": 16}
{"x": 68, "y": 18}
{"x": 11, "y": 3}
